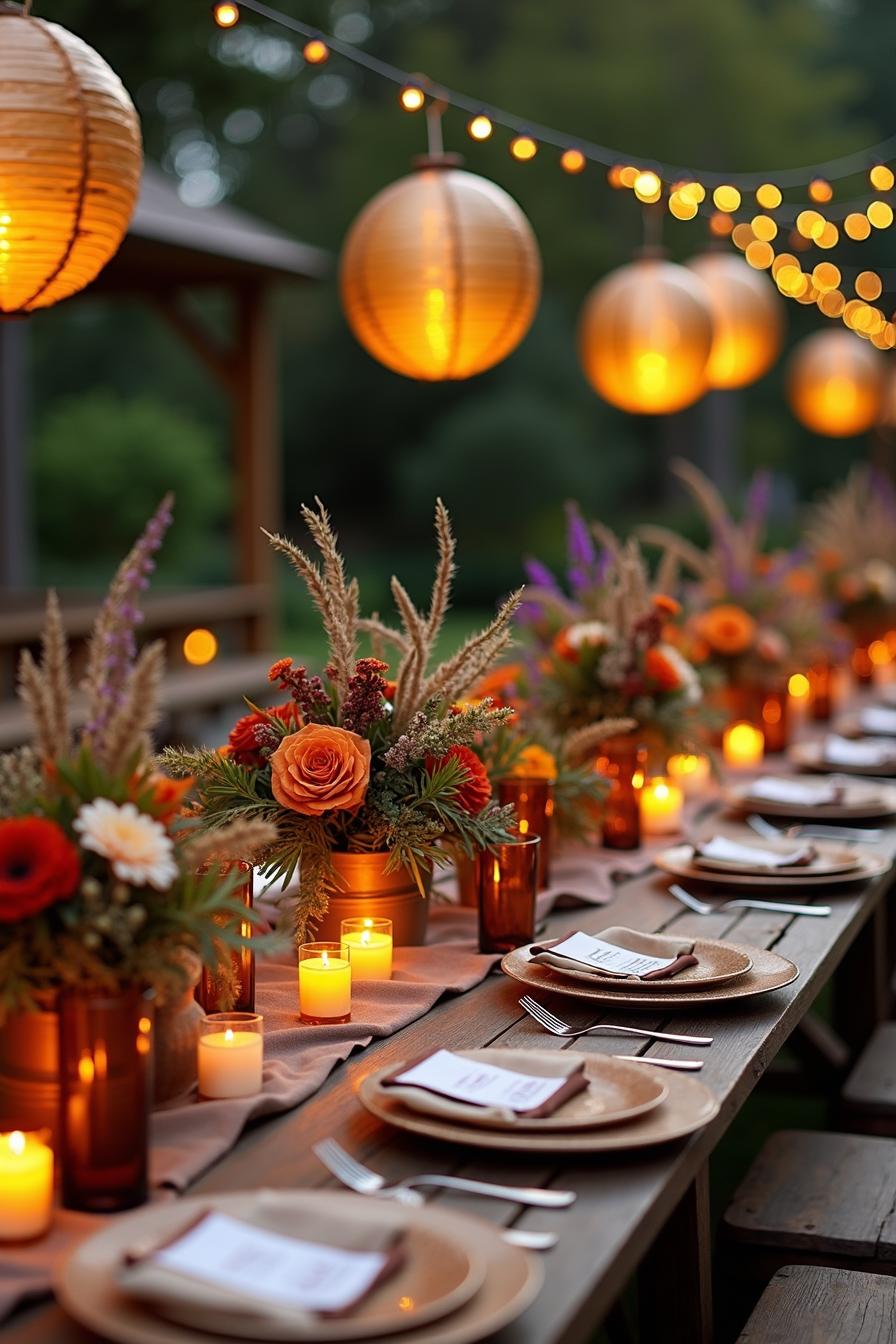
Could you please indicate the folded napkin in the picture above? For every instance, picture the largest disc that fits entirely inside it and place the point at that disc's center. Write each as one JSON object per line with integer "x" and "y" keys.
{"x": 150, "y": 1275}
{"x": 878, "y": 719}
{"x": 864, "y": 752}
{"x": 796, "y": 791}
{"x": 617, "y": 952}
{"x": 508, "y": 1087}
{"x": 722, "y": 850}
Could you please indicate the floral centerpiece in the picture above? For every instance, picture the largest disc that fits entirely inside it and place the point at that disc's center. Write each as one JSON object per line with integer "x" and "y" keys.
{"x": 359, "y": 773}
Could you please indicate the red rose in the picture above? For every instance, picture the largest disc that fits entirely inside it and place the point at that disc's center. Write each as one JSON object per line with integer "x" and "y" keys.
{"x": 39, "y": 865}
{"x": 474, "y": 792}
{"x": 243, "y": 740}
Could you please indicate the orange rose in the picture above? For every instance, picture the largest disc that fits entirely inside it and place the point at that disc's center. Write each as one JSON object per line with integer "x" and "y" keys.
{"x": 727, "y": 629}
{"x": 321, "y": 769}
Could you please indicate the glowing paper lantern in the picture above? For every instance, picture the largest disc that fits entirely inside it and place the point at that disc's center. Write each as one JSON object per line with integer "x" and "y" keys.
{"x": 70, "y": 162}
{"x": 835, "y": 384}
{"x": 747, "y": 319}
{"x": 645, "y": 336}
{"x": 440, "y": 274}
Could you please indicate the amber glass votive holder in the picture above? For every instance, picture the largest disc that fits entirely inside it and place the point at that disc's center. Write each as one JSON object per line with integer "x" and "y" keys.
{"x": 325, "y": 983}
{"x": 622, "y": 761}
{"x": 232, "y": 985}
{"x": 862, "y": 664}
{"x": 105, "y": 1048}
{"x": 774, "y": 720}
{"x": 533, "y": 800}
{"x": 821, "y": 690}
{"x": 508, "y": 885}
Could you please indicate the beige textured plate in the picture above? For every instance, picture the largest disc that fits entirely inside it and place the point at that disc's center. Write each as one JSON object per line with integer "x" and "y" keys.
{"x": 680, "y": 863}
{"x": 509, "y": 1278}
{"x": 830, "y": 860}
{"x": 617, "y": 1092}
{"x": 769, "y": 972}
{"x": 859, "y": 802}
{"x": 851, "y": 726}
{"x": 688, "y": 1107}
{"x": 717, "y": 964}
{"x": 810, "y": 756}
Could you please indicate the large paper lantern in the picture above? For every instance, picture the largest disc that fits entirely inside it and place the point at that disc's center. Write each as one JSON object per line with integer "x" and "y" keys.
{"x": 836, "y": 384}
{"x": 645, "y": 335}
{"x": 440, "y": 274}
{"x": 747, "y": 318}
{"x": 70, "y": 162}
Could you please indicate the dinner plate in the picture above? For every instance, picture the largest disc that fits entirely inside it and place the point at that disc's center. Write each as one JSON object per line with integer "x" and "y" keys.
{"x": 617, "y": 1092}
{"x": 679, "y": 862}
{"x": 717, "y": 964}
{"x": 810, "y": 756}
{"x": 830, "y": 860}
{"x": 500, "y": 1284}
{"x": 688, "y": 1106}
{"x": 859, "y": 802}
{"x": 769, "y": 972}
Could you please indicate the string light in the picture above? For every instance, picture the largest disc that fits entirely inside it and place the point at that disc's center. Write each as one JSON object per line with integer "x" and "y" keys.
{"x": 412, "y": 97}
{"x": 226, "y": 15}
{"x": 881, "y": 177}
{"x": 648, "y": 187}
{"x": 868, "y": 285}
{"x": 856, "y": 226}
{"x": 820, "y": 190}
{"x": 726, "y": 198}
{"x": 768, "y": 196}
{"x": 692, "y": 192}
{"x": 572, "y": 161}
{"x": 720, "y": 225}
{"x": 810, "y": 224}
{"x": 681, "y": 207}
{"x": 316, "y": 51}
{"x": 479, "y": 127}
{"x": 741, "y": 236}
{"x": 829, "y": 236}
{"x": 628, "y": 175}
{"x": 614, "y": 176}
{"x": 831, "y": 303}
{"x": 826, "y": 276}
{"x": 880, "y": 214}
{"x": 523, "y": 147}
{"x": 764, "y": 227}
{"x": 760, "y": 255}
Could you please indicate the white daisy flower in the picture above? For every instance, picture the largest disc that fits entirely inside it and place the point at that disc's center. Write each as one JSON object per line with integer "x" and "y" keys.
{"x": 137, "y": 846}
{"x": 591, "y": 633}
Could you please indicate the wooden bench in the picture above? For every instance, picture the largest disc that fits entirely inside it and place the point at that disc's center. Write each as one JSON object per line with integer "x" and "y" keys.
{"x": 810, "y": 1304}
{"x": 868, "y": 1099}
{"x": 814, "y": 1198}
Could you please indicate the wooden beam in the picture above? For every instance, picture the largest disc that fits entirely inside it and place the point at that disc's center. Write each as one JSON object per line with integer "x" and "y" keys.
{"x": 15, "y": 520}
{"x": 221, "y": 363}
{"x": 256, "y": 452}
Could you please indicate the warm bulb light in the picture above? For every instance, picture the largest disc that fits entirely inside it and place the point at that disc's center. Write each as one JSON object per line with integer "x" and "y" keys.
{"x": 720, "y": 225}
{"x": 764, "y": 228}
{"x": 880, "y": 214}
{"x": 820, "y": 190}
{"x": 412, "y": 98}
{"x": 572, "y": 161}
{"x": 226, "y": 15}
{"x": 200, "y": 647}
{"x": 746, "y": 315}
{"x": 826, "y": 276}
{"x": 479, "y": 127}
{"x": 768, "y": 196}
{"x": 523, "y": 148}
{"x": 726, "y": 199}
{"x": 798, "y": 686}
{"x": 316, "y": 51}
{"x": 648, "y": 187}
{"x": 836, "y": 383}
{"x": 856, "y": 227}
{"x": 868, "y": 285}
{"x": 881, "y": 177}
{"x": 810, "y": 224}
{"x": 681, "y": 207}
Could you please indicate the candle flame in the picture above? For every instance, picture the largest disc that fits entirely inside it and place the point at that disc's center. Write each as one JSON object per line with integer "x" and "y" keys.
{"x": 524, "y": 826}
{"x": 86, "y": 1070}
{"x": 368, "y": 923}
{"x": 324, "y": 956}
{"x": 496, "y": 872}
{"x": 16, "y": 1143}
{"x": 365, "y": 937}
{"x": 228, "y": 1035}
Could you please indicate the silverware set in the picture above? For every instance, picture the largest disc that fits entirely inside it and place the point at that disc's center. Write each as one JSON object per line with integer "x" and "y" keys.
{"x": 813, "y": 831}
{"x": 744, "y": 903}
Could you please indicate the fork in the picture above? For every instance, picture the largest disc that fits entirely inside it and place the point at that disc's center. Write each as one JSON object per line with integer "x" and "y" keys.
{"x": 744, "y": 903}
{"x": 367, "y": 1182}
{"x": 814, "y": 830}
{"x": 557, "y": 1027}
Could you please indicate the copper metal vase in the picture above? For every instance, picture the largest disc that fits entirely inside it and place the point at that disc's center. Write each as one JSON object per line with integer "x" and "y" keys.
{"x": 367, "y": 889}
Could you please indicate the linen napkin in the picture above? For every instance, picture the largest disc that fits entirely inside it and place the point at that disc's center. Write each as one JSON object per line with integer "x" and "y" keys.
{"x": 676, "y": 953}
{"x": 867, "y": 751}
{"x": 721, "y": 850}
{"x": 878, "y": 719}
{"x": 216, "y": 1307}
{"x": 796, "y": 791}
{"x": 512, "y": 1072}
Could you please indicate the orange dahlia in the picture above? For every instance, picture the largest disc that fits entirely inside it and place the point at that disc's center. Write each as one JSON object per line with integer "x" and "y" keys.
{"x": 661, "y": 670}
{"x": 727, "y": 629}
{"x": 474, "y": 792}
{"x": 535, "y": 762}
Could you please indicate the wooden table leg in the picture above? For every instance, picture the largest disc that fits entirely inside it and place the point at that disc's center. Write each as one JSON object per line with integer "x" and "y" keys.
{"x": 675, "y": 1278}
{"x": 861, "y": 990}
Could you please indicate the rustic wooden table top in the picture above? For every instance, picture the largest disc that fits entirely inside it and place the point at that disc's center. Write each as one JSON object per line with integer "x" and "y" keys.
{"x": 625, "y": 1201}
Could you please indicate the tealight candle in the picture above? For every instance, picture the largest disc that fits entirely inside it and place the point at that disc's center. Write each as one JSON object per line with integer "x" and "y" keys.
{"x": 661, "y": 803}
{"x": 370, "y": 941}
{"x": 26, "y": 1186}
{"x": 230, "y": 1055}
{"x": 690, "y": 772}
{"x": 743, "y": 746}
{"x": 325, "y": 983}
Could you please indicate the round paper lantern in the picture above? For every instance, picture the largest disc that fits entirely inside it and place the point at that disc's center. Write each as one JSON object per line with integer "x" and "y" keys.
{"x": 836, "y": 384}
{"x": 70, "y": 162}
{"x": 440, "y": 274}
{"x": 645, "y": 336}
{"x": 747, "y": 319}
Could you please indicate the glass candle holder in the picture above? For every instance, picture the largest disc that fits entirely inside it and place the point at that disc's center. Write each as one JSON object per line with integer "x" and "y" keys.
{"x": 743, "y": 745}
{"x": 105, "y": 1047}
{"x": 691, "y": 772}
{"x": 370, "y": 942}
{"x": 862, "y": 664}
{"x": 774, "y": 720}
{"x": 661, "y": 804}
{"x": 26, "y": 1185}
{"x": 533, "y": 800}
{"x": 622, "y": 761}
{"x": 821, "y": 685}
{"x": 230, "y": 1055}
{"x": 508, "y": 885}
{"x": 233, "y": 983}
{"x": 325, "y": 983}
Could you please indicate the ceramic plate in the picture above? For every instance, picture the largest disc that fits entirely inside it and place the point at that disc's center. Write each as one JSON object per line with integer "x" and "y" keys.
{"x": 679, "y": 862}
{"x": 859, "y": 802}
{"x": 810, "y": 756}
{"x": 688, "y": 1106}
{"x": 500, "y": 1283}
{"x": 717, "y": 964}
{"x": 830, "y": 860}
{"x": 769, "y": 972}
{"x": 617, "y": 1092}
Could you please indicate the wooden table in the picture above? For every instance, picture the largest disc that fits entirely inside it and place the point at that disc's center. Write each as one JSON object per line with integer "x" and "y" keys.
{"x": 649, "y": 1209}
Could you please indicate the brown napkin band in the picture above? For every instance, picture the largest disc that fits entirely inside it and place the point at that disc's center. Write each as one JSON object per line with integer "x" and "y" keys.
{"x": 681, "y": 962}
{"x": 573, "y": 1085}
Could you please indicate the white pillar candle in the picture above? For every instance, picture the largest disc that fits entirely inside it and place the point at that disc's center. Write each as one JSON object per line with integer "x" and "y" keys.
{"x": 26, "y": 1186}
{"x": 690, "y": 772}
{"x": 661, "y": 803}
{"x": 370, "y": 947}
{"x": 230, "y": 1063}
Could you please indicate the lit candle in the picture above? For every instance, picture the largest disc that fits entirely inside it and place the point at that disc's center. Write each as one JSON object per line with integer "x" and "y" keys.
{"x": 799, "y": 696}
{"x": 743, "y": 746}
{"x": 231, "y": 1055}
{"x": 690, "y": 772}
{"x": 325, "y": 983}
{"x": 661, "y": 802}
{"x": 370, "y": 944}
{"x": 26, "y": 1186}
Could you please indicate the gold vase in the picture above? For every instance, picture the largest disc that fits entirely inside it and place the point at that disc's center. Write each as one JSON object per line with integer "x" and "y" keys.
{"x": 29, "y": 1071}
{"x": 366, "y": 889}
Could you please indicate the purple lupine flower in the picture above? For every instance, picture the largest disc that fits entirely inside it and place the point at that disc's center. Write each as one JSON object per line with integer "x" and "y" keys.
{"x": 579, "y": 545}
{"x": 759, "y": 498}
{"x": 881, "y": 487}
{"x": 539, "y": 574}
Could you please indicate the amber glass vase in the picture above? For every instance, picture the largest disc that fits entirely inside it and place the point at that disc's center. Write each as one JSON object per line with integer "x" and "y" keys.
{"x": 233, "y": 987}
{"x": 533, "y": 800}
{"x": 774, "y": 719}
{"x": 508, "y": 885}
{"x": 105, "y": 1054}
{"x": 623, "y": 762}
{"x": 862, "y": 665}
{"x": 820, "y": 687}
